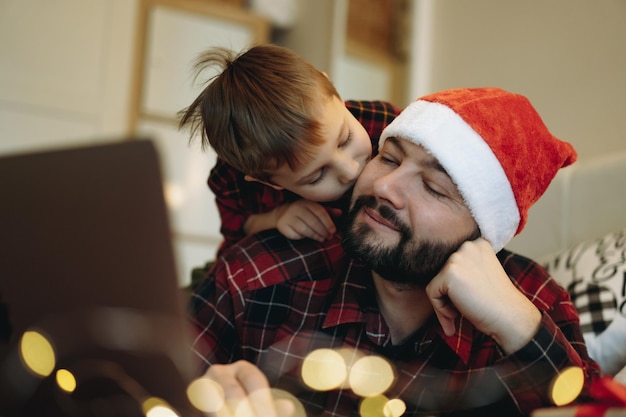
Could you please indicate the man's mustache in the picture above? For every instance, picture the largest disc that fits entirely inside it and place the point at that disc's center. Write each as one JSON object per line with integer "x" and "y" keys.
{"x": 383, "y": 210}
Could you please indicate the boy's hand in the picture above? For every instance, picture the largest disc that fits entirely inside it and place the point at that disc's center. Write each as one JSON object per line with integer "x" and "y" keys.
{"x": 304, "y": 218}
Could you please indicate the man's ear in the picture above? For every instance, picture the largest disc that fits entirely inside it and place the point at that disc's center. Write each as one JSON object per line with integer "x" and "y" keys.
{"x": 250, "y": 178}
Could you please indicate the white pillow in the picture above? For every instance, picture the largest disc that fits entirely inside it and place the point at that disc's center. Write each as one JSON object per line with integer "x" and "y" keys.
{"x": 594, "y": 273}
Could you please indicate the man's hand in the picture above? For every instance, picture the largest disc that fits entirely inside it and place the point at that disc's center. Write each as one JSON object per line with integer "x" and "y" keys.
{"x": 246, "y": 392}
{"x": 474, "y": 284}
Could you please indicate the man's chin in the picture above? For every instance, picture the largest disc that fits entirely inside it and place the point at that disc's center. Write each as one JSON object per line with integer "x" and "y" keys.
{"x": 404, "y": 279}
{"x": 364, "y": 240}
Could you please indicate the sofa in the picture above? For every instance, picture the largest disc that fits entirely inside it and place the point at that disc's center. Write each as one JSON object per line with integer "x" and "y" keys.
{"x": 577, "y": 230}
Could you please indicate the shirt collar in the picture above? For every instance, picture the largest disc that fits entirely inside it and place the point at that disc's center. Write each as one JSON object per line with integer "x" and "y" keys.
{"x": 461, "y": 341}
{"x": 355, "y": 302}
{"x": 353, "y": 297}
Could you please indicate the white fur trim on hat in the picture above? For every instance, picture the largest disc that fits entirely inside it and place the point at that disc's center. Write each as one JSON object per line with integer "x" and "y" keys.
{"x": 468, "y": 160}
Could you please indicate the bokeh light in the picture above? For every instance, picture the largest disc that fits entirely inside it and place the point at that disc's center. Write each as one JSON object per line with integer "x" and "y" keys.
{"x": 287, "y": 405}
{"x": 567, "y": 385}
{"x": 324, "y": 370}
{"x": 206, "y": 395}
{"x": 373, "y": 406}
{"x": 174, "y": 195}
{"x": 394, "y": 408}
{"x": 37, "y": 353}
{"x": 370, "y": 376}
{"x": 157, "y": 407}
{"x": 66, "y": 380}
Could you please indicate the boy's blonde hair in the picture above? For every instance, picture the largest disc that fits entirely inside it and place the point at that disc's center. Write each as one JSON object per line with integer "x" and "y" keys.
{"x": 261, "y": 111}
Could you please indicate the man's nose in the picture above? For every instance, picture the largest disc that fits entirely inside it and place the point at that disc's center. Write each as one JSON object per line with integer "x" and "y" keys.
{"x": 392, "y": 187}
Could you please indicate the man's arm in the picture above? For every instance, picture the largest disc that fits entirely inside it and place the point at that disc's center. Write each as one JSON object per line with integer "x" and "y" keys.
{"x": 474, "y": 284}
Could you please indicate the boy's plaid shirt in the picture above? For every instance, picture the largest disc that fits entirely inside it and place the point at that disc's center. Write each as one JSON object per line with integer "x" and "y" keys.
{"x": 237, "y": 198}
{"x": 271, "y": 301}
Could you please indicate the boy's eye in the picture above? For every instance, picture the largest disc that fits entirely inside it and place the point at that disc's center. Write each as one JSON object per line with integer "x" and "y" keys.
{"x": 319, "y": 178}
{"x": 347, "y": 141}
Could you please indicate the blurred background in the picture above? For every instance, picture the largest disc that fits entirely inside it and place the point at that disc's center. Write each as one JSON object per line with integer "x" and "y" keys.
{"x": 79, "y": 72}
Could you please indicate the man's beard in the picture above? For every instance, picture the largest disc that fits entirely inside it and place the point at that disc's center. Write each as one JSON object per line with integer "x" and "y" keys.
{"x": 408, "y": 262}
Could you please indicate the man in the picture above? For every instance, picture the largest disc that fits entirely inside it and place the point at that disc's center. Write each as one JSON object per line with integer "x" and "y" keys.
{"x": 424, "y": 281}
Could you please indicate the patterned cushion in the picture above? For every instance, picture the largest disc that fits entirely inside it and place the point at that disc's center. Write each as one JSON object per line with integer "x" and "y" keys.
{"x": 596, "y": 305}
{"x": 594, "y": 273}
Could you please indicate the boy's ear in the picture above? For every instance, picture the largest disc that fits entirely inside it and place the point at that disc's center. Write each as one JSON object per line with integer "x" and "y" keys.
{"x": 269, "y": 184}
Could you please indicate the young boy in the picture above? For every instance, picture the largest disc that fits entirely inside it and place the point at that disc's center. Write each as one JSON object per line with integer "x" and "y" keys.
{"x": 289, "y": 148}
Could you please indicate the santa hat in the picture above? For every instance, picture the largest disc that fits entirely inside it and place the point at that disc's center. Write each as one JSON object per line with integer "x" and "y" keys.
{"x": 494, "y": 146}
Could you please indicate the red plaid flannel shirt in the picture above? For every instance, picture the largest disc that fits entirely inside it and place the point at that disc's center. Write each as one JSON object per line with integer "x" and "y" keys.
{"x": 237, "y": 198}
{"x": 271, "y": 301}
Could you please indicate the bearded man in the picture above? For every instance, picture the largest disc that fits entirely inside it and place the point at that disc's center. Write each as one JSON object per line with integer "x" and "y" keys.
{"x": 418, "y": 277}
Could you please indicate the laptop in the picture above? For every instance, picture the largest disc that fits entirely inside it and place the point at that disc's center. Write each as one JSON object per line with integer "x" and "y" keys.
{"x": 87, "y": 272}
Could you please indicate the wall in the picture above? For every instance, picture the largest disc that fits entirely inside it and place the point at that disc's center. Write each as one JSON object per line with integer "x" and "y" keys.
{"x": 65, "y": 72}
{"x": 320, "y": 34}
{"x": 567, "y": 56}
{"x": 314, "y": 32}
{"x": 67, "y": 79}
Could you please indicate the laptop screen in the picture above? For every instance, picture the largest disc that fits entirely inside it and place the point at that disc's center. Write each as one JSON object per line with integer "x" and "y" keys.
{"x": 87, "y": 266}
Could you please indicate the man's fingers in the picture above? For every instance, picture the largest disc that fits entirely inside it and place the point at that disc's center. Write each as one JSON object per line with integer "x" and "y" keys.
{"x": 447, "y": 321}
{"x": 258, "y": 401}
{"x": 445, "y": 310}
{"x": 246, "y": 390}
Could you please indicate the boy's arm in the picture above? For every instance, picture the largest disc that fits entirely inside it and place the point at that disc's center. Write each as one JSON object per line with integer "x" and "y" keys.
{"x": 238, "y": 199}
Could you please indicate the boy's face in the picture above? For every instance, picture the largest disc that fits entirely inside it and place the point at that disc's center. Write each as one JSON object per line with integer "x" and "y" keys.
{"x": 339, "y": 160}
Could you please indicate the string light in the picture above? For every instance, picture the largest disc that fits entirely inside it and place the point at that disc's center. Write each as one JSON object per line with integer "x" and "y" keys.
{"x": 567, "y": 386}
{"x": 37, "y": 353}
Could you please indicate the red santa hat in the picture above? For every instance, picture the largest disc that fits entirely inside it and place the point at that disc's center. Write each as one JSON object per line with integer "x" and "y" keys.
{"x": 494, "y": 146}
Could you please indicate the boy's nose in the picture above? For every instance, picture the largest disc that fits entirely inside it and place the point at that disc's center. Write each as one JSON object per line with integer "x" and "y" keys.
{"x": 348, "y": 171}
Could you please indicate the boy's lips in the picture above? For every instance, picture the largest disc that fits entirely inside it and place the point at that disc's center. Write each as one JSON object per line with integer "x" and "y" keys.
{"x": 374, "y": 216}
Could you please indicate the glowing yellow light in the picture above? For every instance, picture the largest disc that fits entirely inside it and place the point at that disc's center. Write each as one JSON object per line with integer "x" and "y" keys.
{"x": 394, "y": 408}
{"x": 65, "y": 380}
{"x": 161, "y": 411}
{"x": 206, "y": 395}
{"x": 157, "y": 407}
{"x": 174, "y": 195}
{"x": 287, "y": 405}
{"x": 373, "y": 406}
{"x": 371, "y": 375}
{"x": 37, "y": 353}
{"x": 324, "y": 369}
{"x": 567, "y": 385}
{"x": 350, "y": 355}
